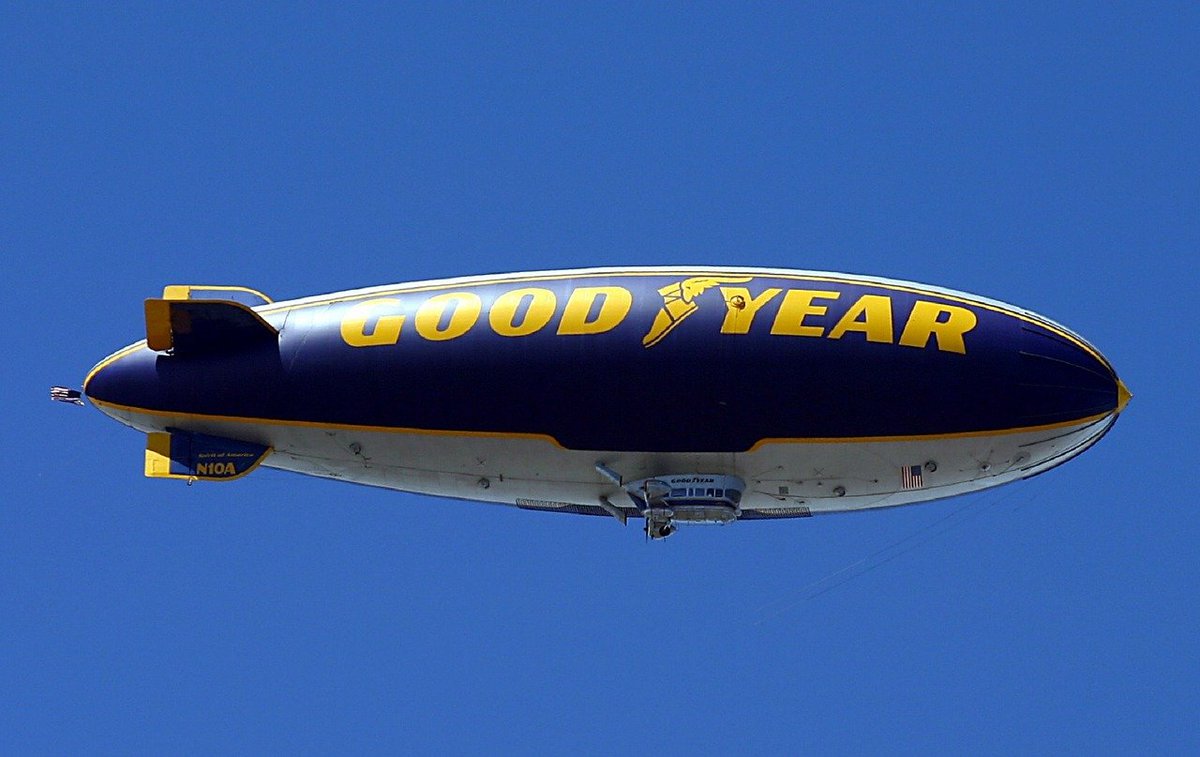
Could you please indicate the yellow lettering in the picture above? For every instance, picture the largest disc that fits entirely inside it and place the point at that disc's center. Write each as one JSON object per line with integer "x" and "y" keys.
{"x": 202, "y": 469}
{"x": 796, "y": 306}
{"x": 503, "y": 313}
{"x": 385, "y": 331}
{"x": 464, "y": 312}
{"x": 740, "y": 308}
{"x": 926, "y": 320}
{"x": 614, "y": 306}
{"x": 871, "y": 315}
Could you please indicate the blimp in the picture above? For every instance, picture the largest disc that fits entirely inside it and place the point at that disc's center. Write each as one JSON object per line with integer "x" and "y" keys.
{"x": 670, "y": 395}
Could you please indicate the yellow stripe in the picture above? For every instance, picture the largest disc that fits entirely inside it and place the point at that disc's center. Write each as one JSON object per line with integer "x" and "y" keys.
{"x": 930, "y": 437}
{"x": 556, "y": 443}
{"x": 317, "y": 424}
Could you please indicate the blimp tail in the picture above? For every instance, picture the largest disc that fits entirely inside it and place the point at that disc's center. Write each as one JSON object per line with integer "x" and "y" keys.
{"x": 195, "y": 322}
{"x": 190, "y": 327}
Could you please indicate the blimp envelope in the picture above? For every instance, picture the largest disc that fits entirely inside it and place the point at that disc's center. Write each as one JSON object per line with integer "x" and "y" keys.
{"x": 822, "y": 392}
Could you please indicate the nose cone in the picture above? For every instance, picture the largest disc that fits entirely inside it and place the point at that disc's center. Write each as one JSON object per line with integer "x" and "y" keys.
{"x": 1123, "y": 395}
{"x": 1063, "y": 378}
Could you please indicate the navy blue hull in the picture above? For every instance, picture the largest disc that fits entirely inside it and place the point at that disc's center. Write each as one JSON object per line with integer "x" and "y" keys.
{"x": 673, "y": 372}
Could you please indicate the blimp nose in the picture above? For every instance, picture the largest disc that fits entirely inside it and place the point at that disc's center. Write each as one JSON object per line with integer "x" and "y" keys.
{"x": 1063, "y": 378}
{"x": 1123, "y": 395}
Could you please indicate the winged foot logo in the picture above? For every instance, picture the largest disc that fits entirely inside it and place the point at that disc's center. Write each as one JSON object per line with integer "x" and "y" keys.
{"x": 679, "y": 301}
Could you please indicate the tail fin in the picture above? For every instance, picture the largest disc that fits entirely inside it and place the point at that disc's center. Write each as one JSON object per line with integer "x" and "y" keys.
{"x": 188, "y": 320}
{"x": 199, "y": 457}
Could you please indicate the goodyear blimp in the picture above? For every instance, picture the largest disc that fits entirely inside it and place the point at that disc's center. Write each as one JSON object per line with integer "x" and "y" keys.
{"x": 673, "y": 395}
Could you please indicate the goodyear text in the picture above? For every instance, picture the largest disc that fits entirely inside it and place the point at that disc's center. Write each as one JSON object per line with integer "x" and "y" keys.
{"x": 813, "y": 313}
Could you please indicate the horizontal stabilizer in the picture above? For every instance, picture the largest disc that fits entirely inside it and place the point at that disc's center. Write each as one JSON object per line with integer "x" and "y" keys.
{"x": 192, "y": 456}
{"x": 244, "y": 295}
{"x": 188, "y": 327}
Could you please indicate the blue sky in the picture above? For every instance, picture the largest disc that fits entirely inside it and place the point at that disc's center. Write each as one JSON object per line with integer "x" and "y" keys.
{"x": 1043, "y": 156}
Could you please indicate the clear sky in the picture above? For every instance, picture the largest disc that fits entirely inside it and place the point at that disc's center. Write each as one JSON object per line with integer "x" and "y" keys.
{"x": 1043, "y": 157}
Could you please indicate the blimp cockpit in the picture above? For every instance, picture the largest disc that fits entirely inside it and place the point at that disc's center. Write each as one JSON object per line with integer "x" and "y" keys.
{"x": 687, "y": 498}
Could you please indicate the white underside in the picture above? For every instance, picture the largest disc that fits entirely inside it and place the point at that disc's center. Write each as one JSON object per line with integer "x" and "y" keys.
{"x": 781, "y": 478}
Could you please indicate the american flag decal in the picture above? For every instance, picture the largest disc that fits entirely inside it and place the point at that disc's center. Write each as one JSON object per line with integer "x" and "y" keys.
{"x": 911, "y": 477}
